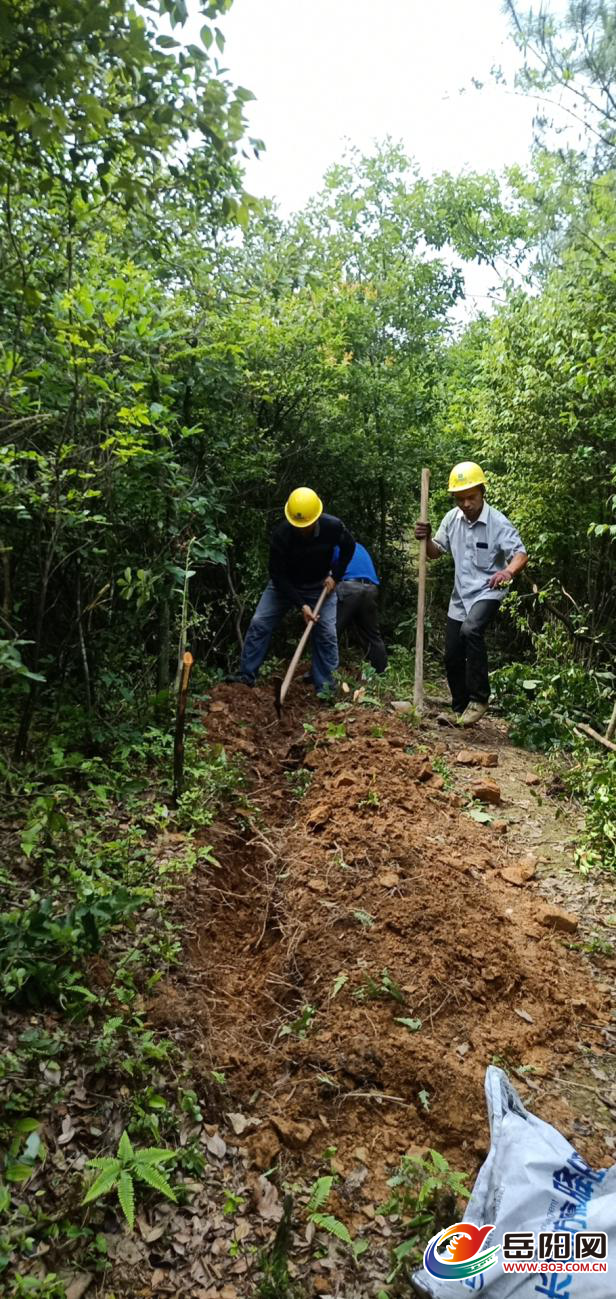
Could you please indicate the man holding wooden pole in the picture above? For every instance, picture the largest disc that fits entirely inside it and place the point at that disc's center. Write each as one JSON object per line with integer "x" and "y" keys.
{"x": 487, "y": 551}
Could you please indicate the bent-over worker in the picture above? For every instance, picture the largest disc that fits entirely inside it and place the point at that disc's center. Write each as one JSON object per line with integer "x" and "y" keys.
{"x": 358, "y": 610}
{"x": 301, "y": 563}
{"x": 487, "y": 552}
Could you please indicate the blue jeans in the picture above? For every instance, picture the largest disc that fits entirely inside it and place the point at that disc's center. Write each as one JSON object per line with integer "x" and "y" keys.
{"x": 269, "y": 614}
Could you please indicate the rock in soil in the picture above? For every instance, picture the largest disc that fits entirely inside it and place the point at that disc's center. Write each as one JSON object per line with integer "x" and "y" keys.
{"x": 487, "y": 791}
{"x": 476, "y": 758}
{"x": 519, "y": 874}
{"x": 557, "y": 918}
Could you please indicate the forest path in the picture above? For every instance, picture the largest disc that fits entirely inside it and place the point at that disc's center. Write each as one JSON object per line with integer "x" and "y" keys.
{"x": 356, "y": 891}
{"x": 363, "y": 950}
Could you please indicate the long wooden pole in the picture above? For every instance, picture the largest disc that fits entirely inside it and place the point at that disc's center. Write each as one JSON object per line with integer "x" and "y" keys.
{"x": 180, "y": 720}
{"x": 418, "y": 692}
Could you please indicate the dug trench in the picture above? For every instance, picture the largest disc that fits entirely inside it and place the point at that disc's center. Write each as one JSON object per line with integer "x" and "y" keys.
{"x": 357, "y": 958}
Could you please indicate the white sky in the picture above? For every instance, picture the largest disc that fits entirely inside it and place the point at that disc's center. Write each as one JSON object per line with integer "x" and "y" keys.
{"x": 328, "y": 70}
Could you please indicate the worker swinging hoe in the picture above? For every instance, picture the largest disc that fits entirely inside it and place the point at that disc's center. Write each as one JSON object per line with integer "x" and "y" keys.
{"x": 309, "y": 553}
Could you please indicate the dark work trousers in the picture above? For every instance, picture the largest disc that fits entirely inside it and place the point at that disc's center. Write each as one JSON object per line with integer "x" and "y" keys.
{"x": 358, "y": 611}
{"x": 466, "y": 656}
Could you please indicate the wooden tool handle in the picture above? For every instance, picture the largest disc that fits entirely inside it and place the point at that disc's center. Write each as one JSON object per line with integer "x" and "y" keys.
{"x": 418, "y": 696}
{"x": 300, "y": 649}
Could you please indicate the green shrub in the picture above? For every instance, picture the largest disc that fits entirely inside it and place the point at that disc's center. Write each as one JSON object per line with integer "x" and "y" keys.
{"x": 42, "y": 951}
{"x": 543, "y": 701}
{"x": 593, "y": 781}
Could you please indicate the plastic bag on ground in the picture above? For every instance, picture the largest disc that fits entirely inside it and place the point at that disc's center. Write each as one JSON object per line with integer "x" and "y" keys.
{"x": 533, "y": 1180}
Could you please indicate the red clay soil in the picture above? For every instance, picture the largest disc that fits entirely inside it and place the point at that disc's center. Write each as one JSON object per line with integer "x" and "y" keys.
{"x": 372, "y": 898}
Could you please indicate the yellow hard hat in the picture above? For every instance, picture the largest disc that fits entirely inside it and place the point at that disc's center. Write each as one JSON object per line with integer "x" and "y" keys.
{"x": 303, "y": 507}
{"x": 466, "y": 474}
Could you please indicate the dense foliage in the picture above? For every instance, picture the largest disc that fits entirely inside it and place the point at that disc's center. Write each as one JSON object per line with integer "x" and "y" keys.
{"x": 174, "y": 358}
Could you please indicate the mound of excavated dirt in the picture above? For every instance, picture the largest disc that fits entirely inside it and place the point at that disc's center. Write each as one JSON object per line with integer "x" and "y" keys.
{"x": 355, "y": 893}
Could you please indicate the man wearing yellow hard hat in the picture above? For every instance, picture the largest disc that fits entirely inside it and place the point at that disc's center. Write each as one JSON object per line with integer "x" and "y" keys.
{"x": 301, "y": 563}
{"x": 487, "y": 552}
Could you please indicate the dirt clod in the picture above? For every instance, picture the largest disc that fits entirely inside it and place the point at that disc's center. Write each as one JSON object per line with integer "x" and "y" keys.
{"x": 476, "y": 758}
{"x": 519, "y": 874}
{"x": 486, "y": 791}
{"x": 557, "y": 918}
{"x": 293, "y": 1135}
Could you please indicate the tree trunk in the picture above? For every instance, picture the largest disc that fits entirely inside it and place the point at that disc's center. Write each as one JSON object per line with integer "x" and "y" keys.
{"x": 164, "y": 644}
{"x": 25, "y": 722}
{"x": 7, "y": 593}
{"x": 82, "y": 646}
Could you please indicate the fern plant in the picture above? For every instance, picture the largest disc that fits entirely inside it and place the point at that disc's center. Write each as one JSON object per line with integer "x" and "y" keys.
{"x": 386, "y": 987}
{"x": 118, "y": 1173}
{"x": 424, "y": 1195}
{"x": 319, "y": 1196}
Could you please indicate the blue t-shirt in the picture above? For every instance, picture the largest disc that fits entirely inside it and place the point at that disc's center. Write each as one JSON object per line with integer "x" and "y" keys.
{"x": 360, "y": 566}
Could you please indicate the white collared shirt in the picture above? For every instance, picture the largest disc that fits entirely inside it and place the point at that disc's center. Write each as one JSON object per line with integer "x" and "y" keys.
{"x": 479, "y": 549}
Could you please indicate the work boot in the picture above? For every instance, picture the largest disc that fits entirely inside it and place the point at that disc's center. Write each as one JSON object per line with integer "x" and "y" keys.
{"x": 473, "y": 713}
{"x": 447, "y": 719}
{"x": 239, "y": 679}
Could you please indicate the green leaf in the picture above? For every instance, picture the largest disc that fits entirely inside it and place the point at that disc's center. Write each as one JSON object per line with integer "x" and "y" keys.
{"x": 327, "y": 1222}
{"x": 154, "y": 1155}
{"x": 483, "y": 818}
{"x": 365, "y": 918}
{"x": 157, "y": 1102}
{"x": 26, "y": 1125}
{"x": 16, "y": 1171}
{"x": 407, "y": 1247}
{"x": 412, "y": 1024}
{"x": 126, "y": 1196}
{"x": 320, "y": 1193}
{"x": 338, "y": 983}
{"x": 153, "y": 1177}
{"x": 102, "y": 1185}
{"x": 125, "y": 1149}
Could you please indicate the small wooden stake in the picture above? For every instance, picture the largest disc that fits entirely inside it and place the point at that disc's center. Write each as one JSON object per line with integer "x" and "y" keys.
{"x": 180, "y": 719}
{"x": 418, "y": 692}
